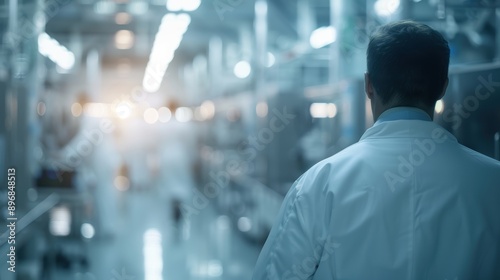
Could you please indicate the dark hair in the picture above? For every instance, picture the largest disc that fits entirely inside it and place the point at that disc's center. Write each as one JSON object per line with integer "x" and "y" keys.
{"x": 408, "y": 63}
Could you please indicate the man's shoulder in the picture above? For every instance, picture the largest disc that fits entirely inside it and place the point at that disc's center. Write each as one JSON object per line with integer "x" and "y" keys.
{"x": 339, "y": 159}
{"x": 350, "y": 152}
{"x": 479, "y": 159}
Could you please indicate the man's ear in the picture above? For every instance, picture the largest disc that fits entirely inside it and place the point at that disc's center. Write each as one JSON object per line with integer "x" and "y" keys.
{"x": 368, "y": 86}
{"x": 444, "y": 89}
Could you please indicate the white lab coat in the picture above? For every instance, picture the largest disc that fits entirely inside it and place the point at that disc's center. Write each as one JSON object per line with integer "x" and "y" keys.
{"x": 405, "y": 202}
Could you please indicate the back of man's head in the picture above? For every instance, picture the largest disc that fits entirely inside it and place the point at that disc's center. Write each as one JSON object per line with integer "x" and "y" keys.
{"x": 408, "y": 63}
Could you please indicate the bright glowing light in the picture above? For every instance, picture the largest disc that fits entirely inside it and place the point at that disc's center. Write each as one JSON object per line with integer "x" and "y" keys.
{"x": 151, "y": 115}
{"x": 150, "y": 84}
{"x": 242, "y": 69}
{"x": 323, "y": 36}
{"x": 183, "y": 114}
{"x": 59, "y": 54}
{"x": 87, "y": 230}
{"x": 331, "y": 110}
{"x": 385, "y": 8}
{"x": 191, "y": 5}
{"x": 76, "y": 109}
{"x": 439, "y": 108}
{"x": 207, "y": 110}
{"x": 96, "y": 110}
{"x": 183, "y": 5}
{"x": 60, "y": 221}
{"x": 164, "y": 114}
{"x": 261, "y": 109}
{"x": 122, "y": 18}
{"x": 124, "y": 39}
{"x": 323, "y": 110}
{"x": 123, "y": 110}
{"x": 183, "y": 21}
{"x": 153, "y": 255}
{"x": 174, "y": 5}
{"x": 66, "y": 59}
{"x": 271, "y": 59}
{"x": 167, "y": 40}
{"x": 121, "y": 183}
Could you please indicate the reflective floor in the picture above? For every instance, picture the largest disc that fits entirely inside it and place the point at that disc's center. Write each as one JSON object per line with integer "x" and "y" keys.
{"x": 148, "y": 243}
{"x": 137, "y": 235}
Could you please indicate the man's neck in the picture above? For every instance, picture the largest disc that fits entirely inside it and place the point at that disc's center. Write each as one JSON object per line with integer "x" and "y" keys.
{"x": 378, "y": 109}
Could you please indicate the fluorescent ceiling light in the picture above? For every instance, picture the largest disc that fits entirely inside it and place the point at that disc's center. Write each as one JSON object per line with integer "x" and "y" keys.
{"x": 183, "y": 5}
{"x": 323, "y": 36}
{"x": 191, "y": 5}
{"x": 167, "y": 40}
{"x": 385, "y": 8}
{"x": 59, "y": 54}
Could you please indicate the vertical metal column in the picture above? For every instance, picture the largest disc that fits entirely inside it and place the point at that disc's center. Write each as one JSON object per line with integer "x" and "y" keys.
{"x": 336, "y": 7}
{"x": 93, "y": 74}
{"x": 497, "y": 145}
{"x": 215, "y": 52}
{"x": 497, "y": 34}
{"x": 20, "y": 93}
{"x": 18, "y": 86}
{"x": 346, "y": 69}
{"x": 306, "y": 21}
{"x": 260, "y": 26}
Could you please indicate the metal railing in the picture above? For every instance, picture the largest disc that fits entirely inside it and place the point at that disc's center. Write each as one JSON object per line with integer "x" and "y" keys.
{"x": 36, "y": 212}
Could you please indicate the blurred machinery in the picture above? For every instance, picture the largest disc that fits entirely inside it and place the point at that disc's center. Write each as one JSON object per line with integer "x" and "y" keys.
{"x": 470, "y": 108}
{"x": 323, "y": 89}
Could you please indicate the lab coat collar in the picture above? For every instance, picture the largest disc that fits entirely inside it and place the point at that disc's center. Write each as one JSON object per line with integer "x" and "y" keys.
{"x": 403, "y": 113}
{"x": 405, "y": 128}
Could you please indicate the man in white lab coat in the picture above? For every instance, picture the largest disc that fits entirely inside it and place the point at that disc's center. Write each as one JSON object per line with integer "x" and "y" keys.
{"x": 405, "y": 202}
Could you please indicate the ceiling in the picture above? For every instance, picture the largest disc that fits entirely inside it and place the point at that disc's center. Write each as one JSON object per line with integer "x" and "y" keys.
{"x": 95, "y": 29}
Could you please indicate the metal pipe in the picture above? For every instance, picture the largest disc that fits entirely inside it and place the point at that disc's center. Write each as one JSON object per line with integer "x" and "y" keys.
{"x": 215, "y": 53}
{"x": 497, "y": 145}
{"x": 336, "y": 8}
{"x": 28, "y": 219}
{"x": 93, "y": 74}
{"x": 306, "y": 21}
{"x": 13, "y": 16}
{"x": 497, "y": 41}
{"x": 261, "y": 28}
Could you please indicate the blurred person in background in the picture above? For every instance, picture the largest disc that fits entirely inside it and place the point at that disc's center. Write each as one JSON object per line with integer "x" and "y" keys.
{"x": 177, "y": 149}
{"x": 405, "y": 202}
